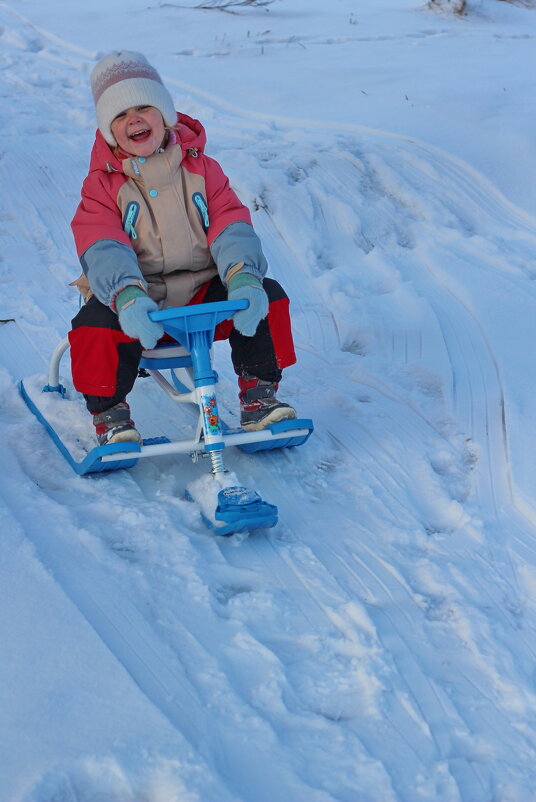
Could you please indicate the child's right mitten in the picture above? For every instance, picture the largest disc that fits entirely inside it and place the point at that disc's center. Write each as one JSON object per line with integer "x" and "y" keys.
{"x": 133, "y": 307}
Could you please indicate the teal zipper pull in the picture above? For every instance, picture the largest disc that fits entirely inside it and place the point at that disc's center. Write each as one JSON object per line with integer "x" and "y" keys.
{"x": 129, "y": 220}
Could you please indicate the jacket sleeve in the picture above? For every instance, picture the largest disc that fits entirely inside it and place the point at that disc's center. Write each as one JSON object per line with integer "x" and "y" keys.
{"x": 104, "y": 249}
{"x": 239, "y": 245}
{"x": 230, "y": 234}
{"x": 110, "y": 266}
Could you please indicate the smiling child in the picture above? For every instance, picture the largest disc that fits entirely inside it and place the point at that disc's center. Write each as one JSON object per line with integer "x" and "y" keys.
{"x": 159, "y": 225}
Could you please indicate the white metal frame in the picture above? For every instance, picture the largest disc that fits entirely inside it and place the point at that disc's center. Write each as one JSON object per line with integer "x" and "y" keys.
{"x": 195, "y": 445}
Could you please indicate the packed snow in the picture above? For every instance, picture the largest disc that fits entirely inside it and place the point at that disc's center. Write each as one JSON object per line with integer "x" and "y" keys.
{"x": 378, "y": 644}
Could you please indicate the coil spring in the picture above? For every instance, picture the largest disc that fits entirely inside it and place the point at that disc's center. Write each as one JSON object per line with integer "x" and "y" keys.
{"x": 218, "y": 465}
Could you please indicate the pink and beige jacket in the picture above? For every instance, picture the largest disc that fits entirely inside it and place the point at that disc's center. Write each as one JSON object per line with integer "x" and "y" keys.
{"x": 168, "y": 222}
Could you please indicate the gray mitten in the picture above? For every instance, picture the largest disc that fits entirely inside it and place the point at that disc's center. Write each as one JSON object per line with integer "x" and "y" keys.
{"x": 133, "y": 307}
{"x": 246, "y": 286}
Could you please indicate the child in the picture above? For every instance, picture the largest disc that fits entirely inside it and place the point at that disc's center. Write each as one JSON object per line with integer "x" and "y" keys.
{"x": 158, "y": 225}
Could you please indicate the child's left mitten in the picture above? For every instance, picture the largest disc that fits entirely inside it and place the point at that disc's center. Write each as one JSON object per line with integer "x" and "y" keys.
{"x": 246, "y": 286}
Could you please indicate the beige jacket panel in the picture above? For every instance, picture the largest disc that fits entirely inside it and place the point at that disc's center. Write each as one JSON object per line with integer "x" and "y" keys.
{"x": 170, "y": 242}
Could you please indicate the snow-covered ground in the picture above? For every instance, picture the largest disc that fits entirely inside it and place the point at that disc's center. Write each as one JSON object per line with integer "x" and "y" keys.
{"x": 379, "y": 644}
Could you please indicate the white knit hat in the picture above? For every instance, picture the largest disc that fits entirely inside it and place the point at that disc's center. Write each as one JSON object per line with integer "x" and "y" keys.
{"x": 123, "y": 79}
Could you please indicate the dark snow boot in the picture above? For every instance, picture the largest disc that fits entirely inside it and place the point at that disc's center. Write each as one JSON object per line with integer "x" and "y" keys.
{"x": 114, "y": 425}
{"x": 259, "y": 407}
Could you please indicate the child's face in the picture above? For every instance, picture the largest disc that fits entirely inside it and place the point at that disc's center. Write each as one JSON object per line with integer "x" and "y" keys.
{"x": 139, "y": 130}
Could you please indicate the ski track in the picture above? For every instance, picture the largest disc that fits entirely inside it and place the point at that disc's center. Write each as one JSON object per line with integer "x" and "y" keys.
{"x": 324, "y": 653}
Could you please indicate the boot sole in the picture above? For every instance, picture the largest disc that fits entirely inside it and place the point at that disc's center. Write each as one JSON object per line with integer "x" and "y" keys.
{"x": 282, "y": 413}
{"x": 124, "y": 437}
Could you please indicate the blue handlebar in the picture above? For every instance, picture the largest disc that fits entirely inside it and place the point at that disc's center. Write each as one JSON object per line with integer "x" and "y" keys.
{"x": 193, "y": 327}
{"x": 200, "y": 314}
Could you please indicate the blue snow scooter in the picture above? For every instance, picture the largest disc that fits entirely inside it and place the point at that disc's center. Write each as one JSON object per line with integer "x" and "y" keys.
{"x": 226, "y": 506}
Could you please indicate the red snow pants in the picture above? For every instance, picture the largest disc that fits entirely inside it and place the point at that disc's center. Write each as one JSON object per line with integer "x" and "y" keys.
{"x": 104, "y": 361}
